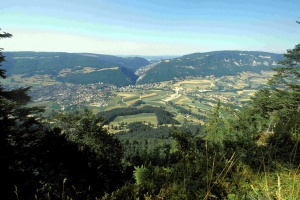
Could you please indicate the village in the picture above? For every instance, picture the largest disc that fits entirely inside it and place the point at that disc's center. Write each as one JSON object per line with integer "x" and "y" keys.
{"x": 69, "y": 96}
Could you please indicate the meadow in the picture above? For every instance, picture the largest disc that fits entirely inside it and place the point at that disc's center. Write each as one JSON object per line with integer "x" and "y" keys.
{"x": 144, "y": 117}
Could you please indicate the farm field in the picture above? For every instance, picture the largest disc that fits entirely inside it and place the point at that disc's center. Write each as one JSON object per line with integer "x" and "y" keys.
{"x": 194, "y": 84}
{"x": 144, "y": 117}
{"x": 151, "y": 97}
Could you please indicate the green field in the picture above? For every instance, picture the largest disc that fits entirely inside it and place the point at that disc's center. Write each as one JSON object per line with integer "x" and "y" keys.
{"x": 144, "y": 117}
{"x": 147, "y": 117}
{"x": 150, "y": 97}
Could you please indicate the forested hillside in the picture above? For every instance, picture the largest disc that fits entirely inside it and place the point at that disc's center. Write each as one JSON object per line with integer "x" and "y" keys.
{"x": 82, "y": 68}
{"x": 116, "y": 76}
{"x": 250, "y": 153}
{"x": 52, "y": 62}
{"x": 217, "y": 63}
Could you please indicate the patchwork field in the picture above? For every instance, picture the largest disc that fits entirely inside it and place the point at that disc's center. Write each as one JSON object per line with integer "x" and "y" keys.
{"x": 151, "y": 97}
{"x": 183, "y": 100}
{"x": 246, "y": 92}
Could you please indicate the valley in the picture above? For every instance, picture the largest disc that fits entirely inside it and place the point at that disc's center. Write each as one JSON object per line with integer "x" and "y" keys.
{"x": 150, "y": 100}
{"x": 187, "y": 87}
{"x": 184, "y": 98}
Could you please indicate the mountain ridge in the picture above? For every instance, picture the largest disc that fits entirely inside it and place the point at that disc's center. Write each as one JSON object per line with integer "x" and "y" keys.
{"x": 83, "y": 68}
{"x": 218, "y": 63}
{"x": 79, "y": 68}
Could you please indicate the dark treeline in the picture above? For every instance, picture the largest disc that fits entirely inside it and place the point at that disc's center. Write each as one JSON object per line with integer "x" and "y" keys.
{"x": 163, "y": 117}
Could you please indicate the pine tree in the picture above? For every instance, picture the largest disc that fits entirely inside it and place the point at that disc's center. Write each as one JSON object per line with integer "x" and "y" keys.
{"x": 17, "y": 124}
{"x": 13, "y": 115}
{"x": 289, "y": 74}
{"x": 214, "y": 125}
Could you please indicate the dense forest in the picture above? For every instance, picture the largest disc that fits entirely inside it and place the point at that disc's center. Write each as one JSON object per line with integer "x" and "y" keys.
{"x": 250, "y": 153}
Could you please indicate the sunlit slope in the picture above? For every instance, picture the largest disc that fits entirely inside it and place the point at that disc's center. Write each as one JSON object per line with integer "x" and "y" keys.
{"x": 218, "y": 63}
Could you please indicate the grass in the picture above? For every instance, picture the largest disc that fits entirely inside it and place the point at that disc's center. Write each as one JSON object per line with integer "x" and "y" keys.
{"x": 144, "y": 117}
{"x": 183, "y": 100}
{"x": 148, "y": 117}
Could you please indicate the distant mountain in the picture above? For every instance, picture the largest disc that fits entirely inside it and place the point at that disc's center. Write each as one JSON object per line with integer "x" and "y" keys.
{"x": 85, "y": 67}
{"x": 155, "y": 59}
{"x": 218, "y": 63}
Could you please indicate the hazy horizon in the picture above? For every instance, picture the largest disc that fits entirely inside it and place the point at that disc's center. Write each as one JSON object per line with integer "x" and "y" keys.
{"x": 149, "y": 28}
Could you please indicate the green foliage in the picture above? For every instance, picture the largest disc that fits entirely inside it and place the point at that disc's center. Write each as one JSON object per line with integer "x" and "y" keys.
{"x": 251, "y": 153}
{"x": 17, "y": 122}
{"x": 141, "y": 175}
{"x": 67, "y": 156}
{"x": 214, "y": 125}
{"x": 75, "y": 148}
{"x": 288, "y": 75}
{"x": 2, "y": 57}
{"x": 102, "y": 152}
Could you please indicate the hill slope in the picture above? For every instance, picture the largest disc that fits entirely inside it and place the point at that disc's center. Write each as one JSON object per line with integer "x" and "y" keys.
{"x": 218, "y": 63}
{"x": 80, "y": 67}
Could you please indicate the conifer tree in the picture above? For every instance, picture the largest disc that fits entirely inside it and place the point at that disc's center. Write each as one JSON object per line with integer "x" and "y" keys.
{"x": 214, "y": 125}
{"x": 17, "y": 124}
{"x": 289, "y": 74}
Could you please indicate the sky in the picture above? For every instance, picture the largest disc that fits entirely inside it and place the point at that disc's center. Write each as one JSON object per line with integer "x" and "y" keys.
{"x": 150, "y": 27}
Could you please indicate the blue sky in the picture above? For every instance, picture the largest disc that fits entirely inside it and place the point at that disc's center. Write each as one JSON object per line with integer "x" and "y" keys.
{"x": 154, "y": 27}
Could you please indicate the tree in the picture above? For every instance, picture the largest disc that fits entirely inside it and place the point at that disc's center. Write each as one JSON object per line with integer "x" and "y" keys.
{"x": 36, "y": 157}
{"x": 17, "y": 124}
{"x": 214, "y": 125}
{"x": 289, "y": 74}
{"x": 13, "y": 114}
{"x": 102, "y": 152}
{"x": 2, "y": 57}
